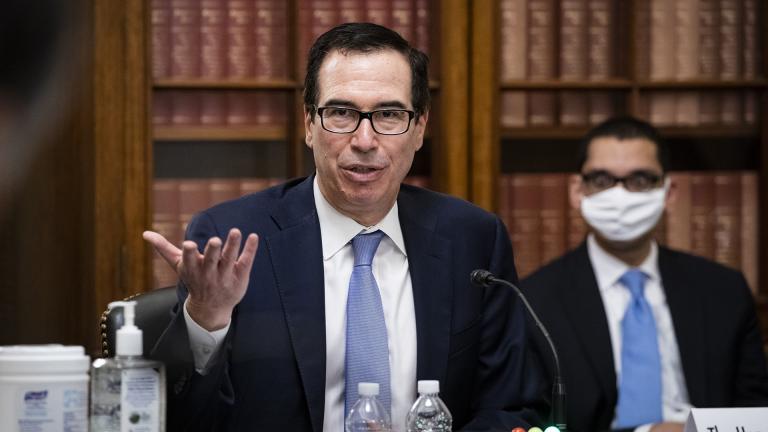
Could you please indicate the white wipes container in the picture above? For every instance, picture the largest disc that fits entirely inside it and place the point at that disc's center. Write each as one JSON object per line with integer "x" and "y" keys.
{"x": 43, "y": 388}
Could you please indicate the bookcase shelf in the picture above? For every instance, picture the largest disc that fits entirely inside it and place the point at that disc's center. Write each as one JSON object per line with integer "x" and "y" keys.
{"x": 611, "y": 84}
{"x": 755, "y": 84}
{"x": 253, "y": 84}
{"x": 212, "y": 133}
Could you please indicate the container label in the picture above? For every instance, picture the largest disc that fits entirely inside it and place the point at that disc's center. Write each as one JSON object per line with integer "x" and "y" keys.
{"x": 52, "y": 409}
{"x": 140, "y": 400}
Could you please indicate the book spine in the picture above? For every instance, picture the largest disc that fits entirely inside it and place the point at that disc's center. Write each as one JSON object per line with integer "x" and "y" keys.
{"x": 379, "y": 12}
{"x": 730, "y": 46}
{"x": 573, "y": 40}
{"x": 663, "y": 42}
{"x": 223, "y": 189}
{"x": 272, "y": 39}
{"x": 514, "y": 39}
{"x": 600, "y": 52}
{"x": 185, "y": 108}
{"x": 601, "y": 106}
{"x": 241, "y": 108}
{"x": 727, "y": 215}
{"x": 642, "y": 39}
{"x": 403, "y": 18}
{"x": 351, "y": 10}
{"x": 526, "y": 229}
{"x": 572, "y": 112}
{"x": 162, "y": 107}
{"x": 708, "y": 39}
{"x": 514, "y": 112}
{"x": 213, "y": 22}
{"x": 185, "y": 38}
{"x": 687, "y": 39}
{"x": 422, "y": 26}
{"x": 702, "y": 206}
{"x": 750, "y": 228}
{"x": 161, "y": 39}
{"x": 751, "y": 56}
{"x": 213, "y": 108}
{"x": 678, "y": 213}
{"x": 240, "y": 35}
{"x": 541, "y": 43}
{"x": 554, "y": 207}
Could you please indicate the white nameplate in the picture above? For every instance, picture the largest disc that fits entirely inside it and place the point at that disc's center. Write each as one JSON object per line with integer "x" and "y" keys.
{"x": 727, "y": 420}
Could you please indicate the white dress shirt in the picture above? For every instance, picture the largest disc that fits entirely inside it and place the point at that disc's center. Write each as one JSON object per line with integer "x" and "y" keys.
{"x": 390, "y": 268}
{"x": 608, "y": 269}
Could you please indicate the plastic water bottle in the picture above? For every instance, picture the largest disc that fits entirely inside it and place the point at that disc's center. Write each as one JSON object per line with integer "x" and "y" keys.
{"x": 429, "y": 413}
{"x": 368, "y": 414}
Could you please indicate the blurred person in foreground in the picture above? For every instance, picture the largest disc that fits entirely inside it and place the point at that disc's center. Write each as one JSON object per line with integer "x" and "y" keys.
{"x": 645, "y": 332}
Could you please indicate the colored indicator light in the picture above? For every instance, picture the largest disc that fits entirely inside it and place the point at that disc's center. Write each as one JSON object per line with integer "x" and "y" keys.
{"x": 535, "y": 429}
{"x": 518, "y": 429}
{"x": 551, "y": 429}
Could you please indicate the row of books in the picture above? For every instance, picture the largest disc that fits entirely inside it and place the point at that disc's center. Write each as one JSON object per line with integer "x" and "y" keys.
{"x": 219, "y": 108}
{"x": 715, "y": 215}
{"x": 565, "y": 108}
{"x": 176, "y": 200}
{"x": 250, "y": 39}
{"x": 673, "y": 40}
{"x": 547, "y": 108}
{"x": 699, "y": 39}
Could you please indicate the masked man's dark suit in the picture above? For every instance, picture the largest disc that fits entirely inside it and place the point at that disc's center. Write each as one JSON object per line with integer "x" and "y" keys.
{"x": 714, "y": 320}
{"x": 270, "y": 374}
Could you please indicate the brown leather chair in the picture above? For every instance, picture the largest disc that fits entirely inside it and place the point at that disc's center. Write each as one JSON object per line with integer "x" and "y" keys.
{"x": 153, "y": 314}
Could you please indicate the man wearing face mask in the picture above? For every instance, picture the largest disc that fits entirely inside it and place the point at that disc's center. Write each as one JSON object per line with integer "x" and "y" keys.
{"x": 645, "y": 332}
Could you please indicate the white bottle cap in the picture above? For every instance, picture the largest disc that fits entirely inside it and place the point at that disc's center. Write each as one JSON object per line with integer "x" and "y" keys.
{"x": 129, "y": 337}
{"x": 368, "y": 389}
{"x": 429, "y": 386}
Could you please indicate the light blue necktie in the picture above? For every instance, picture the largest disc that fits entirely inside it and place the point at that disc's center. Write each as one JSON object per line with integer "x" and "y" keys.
{"x": 367, "y": 357}
{"x": 640, "y": 387}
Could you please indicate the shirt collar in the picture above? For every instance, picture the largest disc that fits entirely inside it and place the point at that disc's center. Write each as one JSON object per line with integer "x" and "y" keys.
{"x": 608, "y": 269}
{"x": 336, "y": 229}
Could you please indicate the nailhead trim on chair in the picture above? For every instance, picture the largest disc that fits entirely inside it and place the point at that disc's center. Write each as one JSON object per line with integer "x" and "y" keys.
{"x": 104, "y": 346}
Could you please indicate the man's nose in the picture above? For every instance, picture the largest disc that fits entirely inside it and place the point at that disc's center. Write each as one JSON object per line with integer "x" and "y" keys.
{"x": 365, "y": 138}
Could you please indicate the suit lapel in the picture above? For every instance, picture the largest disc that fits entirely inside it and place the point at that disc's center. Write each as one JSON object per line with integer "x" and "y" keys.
{"x": 295, "y": 250}
{"x": 429, "y": 263}
{"x": 585, "y": 310}
{"x": 688, "y": 321}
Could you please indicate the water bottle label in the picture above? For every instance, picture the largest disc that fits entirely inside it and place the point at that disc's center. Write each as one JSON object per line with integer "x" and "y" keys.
{"x": 140, "y": 400}
{"x": 52, "y": 408}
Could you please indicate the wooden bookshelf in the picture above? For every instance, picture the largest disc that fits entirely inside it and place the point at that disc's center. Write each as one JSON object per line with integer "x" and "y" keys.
{"x": 220, "y": 133}
{"x": 736, "y": 140}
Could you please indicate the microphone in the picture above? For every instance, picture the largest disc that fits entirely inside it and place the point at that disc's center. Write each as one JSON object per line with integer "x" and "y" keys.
{"x": 485, "y": 278}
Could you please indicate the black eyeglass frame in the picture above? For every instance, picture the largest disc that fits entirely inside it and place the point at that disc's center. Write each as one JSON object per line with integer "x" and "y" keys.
{"x": 367, "y": 115}
{"x": 654, "y": 180}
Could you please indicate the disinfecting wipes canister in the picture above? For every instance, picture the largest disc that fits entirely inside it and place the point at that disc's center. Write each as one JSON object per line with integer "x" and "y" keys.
{"x": 43, "y": 388}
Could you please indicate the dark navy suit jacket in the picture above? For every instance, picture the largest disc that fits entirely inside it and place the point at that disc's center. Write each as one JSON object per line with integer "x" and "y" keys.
{"x": 270, "y": 374}
{"x": 713, "y": 316}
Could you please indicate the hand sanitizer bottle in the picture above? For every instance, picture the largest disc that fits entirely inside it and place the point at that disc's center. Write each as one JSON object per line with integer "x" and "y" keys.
{"x": 128, "y": 391}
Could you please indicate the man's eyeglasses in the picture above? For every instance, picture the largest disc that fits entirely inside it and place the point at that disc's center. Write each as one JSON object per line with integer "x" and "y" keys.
{"x": 346, "y": 120}
{"x": 638, "y": 181}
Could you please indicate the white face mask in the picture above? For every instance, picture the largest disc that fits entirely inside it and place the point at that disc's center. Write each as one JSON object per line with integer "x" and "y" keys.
{"x": 620, "y": 215}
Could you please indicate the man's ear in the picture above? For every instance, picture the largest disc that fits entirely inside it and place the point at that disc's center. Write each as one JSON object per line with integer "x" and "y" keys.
{"x": 575, "y": 193}
{"x": 672, "y": 193}
{"x": 307, "y": 128}
{"x": 421, "y": 128}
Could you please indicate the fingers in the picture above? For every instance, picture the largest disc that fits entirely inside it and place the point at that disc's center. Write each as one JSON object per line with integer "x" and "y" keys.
{"x": 170, "y": 253}
{"x": 231, "y": 246}
{"x": 190, "y": 255}
{"x": 212, "y": 254}
{"x": 249, "y": 252}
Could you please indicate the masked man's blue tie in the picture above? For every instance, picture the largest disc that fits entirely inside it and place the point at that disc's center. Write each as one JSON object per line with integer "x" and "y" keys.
{"x": 640, "y": 384}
